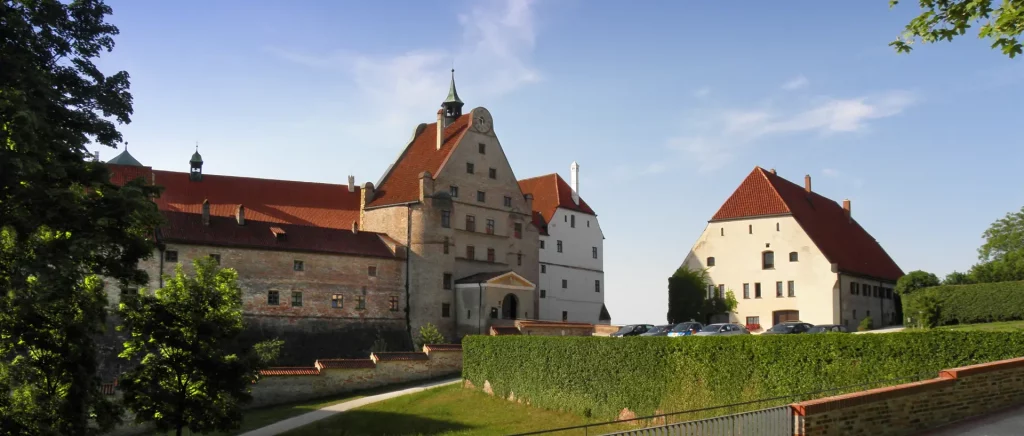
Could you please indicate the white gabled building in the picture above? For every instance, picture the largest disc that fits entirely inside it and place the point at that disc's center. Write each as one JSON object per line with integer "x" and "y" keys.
{"x": 571, "y": 251}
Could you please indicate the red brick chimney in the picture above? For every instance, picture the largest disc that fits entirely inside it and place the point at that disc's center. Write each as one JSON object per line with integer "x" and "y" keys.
{"x": 846, "y": 207}
{"x": 807, "y": 183}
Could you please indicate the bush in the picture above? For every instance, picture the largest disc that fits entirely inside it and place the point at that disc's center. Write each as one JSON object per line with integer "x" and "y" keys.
{"x": 865, "y": 325}
{"x": 430, "y": 335}
{"x": 601, "y": 376}
{"x": 966, "y": 304}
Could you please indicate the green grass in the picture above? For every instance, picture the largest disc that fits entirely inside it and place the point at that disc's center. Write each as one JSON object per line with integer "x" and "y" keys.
{"x": 1006, "y": 326}
{"x": 448, "y": 410}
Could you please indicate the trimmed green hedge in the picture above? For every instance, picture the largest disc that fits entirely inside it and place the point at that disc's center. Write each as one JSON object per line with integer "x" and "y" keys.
{"x": 966, "y": 304}
{"x": 596, "y": 376}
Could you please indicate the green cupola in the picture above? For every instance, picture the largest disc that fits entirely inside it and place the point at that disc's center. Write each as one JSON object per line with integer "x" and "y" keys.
{"x": 452, "y": 106}
{"x": 196, "y": 166}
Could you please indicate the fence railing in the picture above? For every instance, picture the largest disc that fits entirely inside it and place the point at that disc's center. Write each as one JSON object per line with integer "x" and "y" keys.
{"x": 776, "y": 421}
{"x": 742, "y": 411}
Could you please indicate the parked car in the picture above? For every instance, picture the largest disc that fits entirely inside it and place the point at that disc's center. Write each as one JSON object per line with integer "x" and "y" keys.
{"x": 632, "y": 330}
{"x": 788, "y": 328}
{"x": 685, "y": 329}
{"x": 828, "y": 328}
{"x": 722, "y": 329}
{"x": 661, "y": 330}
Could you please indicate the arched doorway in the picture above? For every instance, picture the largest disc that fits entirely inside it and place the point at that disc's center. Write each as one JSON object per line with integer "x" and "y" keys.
{"x": 510, "y": 307}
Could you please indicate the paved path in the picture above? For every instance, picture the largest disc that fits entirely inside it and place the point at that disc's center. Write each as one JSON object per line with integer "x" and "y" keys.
{"x": 892, "y": 329}
{"x": 1009, "y": 422}
{"x": 307, "y": 418}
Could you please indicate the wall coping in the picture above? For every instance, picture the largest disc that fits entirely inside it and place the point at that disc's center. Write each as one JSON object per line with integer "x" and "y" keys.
{"x": 321, "y": 365}
{"x": 442, "y": 348}
{"x": 398, "y": 356}
{"x": 981, "y": 368}
{"x": 290, "y": 370}
{"x": 344, "y": 364}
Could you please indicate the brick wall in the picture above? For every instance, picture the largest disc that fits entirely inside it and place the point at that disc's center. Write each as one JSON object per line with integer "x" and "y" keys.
{"x": 329, "y": 377}
{"x": 605, "y": 330}
{"x": 956, "y": 394}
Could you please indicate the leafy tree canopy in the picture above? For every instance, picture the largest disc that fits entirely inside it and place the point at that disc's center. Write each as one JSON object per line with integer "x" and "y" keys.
{"x": 915, "y": 280}
{"x": 1006, "y": 235}
{"x": 958, "y": 278}
{"x": 192, "y": 371}
{"x": 943, "y": 20}
{"x": 62, "y": 223}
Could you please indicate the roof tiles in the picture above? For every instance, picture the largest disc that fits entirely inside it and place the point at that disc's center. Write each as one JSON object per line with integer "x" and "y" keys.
{"x": 551, "y": 192}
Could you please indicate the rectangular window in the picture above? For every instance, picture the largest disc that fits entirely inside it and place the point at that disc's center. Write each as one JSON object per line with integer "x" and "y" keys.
{"x": 572, "y": 221}
{"x": 469, "y": 314}
{"x": 597, "y": 286}
{"x": 853, "y": 288}
{"x": 393, "y": 304}
{"x": 171, "y": 256}
{"x": 482, "y": 148}
{"x": 492, "y": 173}
{"x": 490, "y": 255}
{"x": 446, "y": 282}
{"x": 490, "y": 227}
{"x": 750, "y": 229}
{"x": 593, "y": 252}
{"x": 296, "y": 299}
{"x": 757, "y": 290}
{"x": 767, "y": 260}
{"x": 453, "y": 191}
{"x": 791, "y": 287}
{"x": 565, "y": 316}
{"x": 517, "y": 230}
{"x": 721, "y": 291}
{"x": 273, "y": 298}
{"x": 337, "y": 301}
{"x": 559, "y": 249}
{"x": 298, "y": 266}
{"x": 874, "y": 291}
{"x": 469, "y": 167}
{"x": 519, "y": 259}
{"x": 543, "y": 294}
{"x": 565, "y": 284}
{"x": 446, "y": 219}
{"x": 371, "y": 271}
{"x": 470, "y": 252}
{"x": 446, "y": 310}
{"x": 543, "y": 269}
{"x": 793, "y": 256}
{"x": 446, "y": 245}
{"x": 215, "y": 257}
{"x": 361, "y": 300}
{"x": 778, "y": 289}
{"x": 776, "y": 227}
{"x": 481, "y": 197}
{"x": 508, "y": 201}
{"x": 470, "y": 223}
{"x": 542, "y": 245}
{"x": 753, "y": 320}
{"x": 746, "y": 291}
{"x": 711, "y": 292}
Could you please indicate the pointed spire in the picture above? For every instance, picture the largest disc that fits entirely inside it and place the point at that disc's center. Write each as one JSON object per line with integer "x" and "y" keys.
{"x": 453, "y": 96}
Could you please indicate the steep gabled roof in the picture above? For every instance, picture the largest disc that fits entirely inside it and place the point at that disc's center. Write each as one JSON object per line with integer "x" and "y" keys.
{"x": 551, "y": 192}
{"x": 125, "y": 158}
{"x": 839, "y": 237}
{"x": 401, "y": 184}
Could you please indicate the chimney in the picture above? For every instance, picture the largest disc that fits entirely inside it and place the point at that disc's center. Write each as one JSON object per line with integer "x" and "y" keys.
{"x": 206, "y": 212}
{"x": 440, "y": 128}
{"x": 574, "y": 176}
{"x": 807, "y": 183}
{"x": 846, "y": 207}
{"x": 426, "y": 185}
{"x": 355, "y": 226}
{"x": 240, "y": 215}
{"x": 773, "y": 171}
{"x": 529, "y": 201}
{"x": 351, "y": 183}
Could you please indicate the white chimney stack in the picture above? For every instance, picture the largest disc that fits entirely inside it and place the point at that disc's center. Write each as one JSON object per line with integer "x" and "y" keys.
{"x": 574, "y": 175}
{"x": 440, "y": 128}
{"x": 351, "y": 183}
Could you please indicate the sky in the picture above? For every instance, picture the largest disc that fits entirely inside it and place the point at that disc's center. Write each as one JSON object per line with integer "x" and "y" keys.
{"x": 666, "y": 105}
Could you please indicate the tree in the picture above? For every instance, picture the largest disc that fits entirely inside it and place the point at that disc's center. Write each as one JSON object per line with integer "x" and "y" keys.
{"x": 62, "y": 223}
{"x": 430, "y": 335}
{"x": 1008, "y": 267}
{"x": 1004, "y": 236}
{"x": 942, "y": 20}
{"x": 915, "y": 280}
{"x": 192, "y": 371}
{"x": 958, "y": 278}
{"x": 687, "y": 297}
{"x": 865, "y": 324}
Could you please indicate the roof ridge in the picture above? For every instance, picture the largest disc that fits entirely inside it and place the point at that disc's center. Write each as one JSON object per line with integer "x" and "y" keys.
{"x": 537, "y": 177}
{"x": 342, "y": 185}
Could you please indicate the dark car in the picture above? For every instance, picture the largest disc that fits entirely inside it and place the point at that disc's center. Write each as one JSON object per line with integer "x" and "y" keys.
{"x": 661, "y": 330}
{"x": 828, "y": 328}
{"x": 686, "y": 329}
{"x": 788, "y": 328}
{"x": 632, "y": 330}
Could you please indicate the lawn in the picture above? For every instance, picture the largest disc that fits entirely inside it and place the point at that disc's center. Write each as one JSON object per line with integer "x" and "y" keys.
{"x": 1006, "y": 326}
{"x": 448, "y": 410}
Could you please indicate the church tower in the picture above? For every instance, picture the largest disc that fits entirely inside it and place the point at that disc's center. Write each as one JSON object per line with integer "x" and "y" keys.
{"x": 452, "y": 106}
{"x": 196, "y": 163}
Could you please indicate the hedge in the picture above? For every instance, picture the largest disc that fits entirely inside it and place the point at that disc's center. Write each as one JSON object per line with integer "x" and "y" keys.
{"x": 965, "y": 304}
{"x": 599, "y": 376}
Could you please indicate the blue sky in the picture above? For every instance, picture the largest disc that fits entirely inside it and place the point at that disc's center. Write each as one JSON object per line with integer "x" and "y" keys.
{"x": 666, "y": 105}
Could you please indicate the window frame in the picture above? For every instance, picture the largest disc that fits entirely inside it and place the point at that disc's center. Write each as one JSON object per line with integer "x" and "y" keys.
{"x": 779, "y": 290}
{"x": 446, "y": 219}
{"x": 446, "y": 310}
{"x": 337, "y": 301}
{"x": 757, "y": 290}
{"x": 393, "y": 303}
{"x": 508, "y": 201}
{"x": 765, "y": 264}
{"x": 565, "y": 284}
{"x": 170, "y": 255}
{"x": 453, "y": 191}
{"x": 482, "y": 148}
{"x": 371, "y": 271}
{"x": 593, "y": 252}
{"x": 597, "y": 286}
{"x": 361, "y": 300}
{"x": 296, "y": 296}
{"x": 517, "y": 230}
{"x": 746, "y": 291}
{"x": 559, "y": 246}
{"x": 471, "y": 252}
{"x": 791, "y": 288}
{"x": 471, "y": 223}
{"x": 273, "y": 298}
{"x": 492, "y": 173}
{"x": 491, "y": 256}
{"x": 710, "y": 261}
{"x": 489, "y": 226}
{"x": 446, "y": 281}
{"x": 481, "y": 197}
{"x": 470, "y": 168}
{"x": 298, "y": 265}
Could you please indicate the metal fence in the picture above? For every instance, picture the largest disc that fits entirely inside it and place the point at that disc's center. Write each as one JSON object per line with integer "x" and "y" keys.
{"x": 776, "y": 421}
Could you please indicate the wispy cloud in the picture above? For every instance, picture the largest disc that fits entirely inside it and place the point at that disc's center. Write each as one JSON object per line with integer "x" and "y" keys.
{"x": 796, "y": 83}
{"x": 702, "y": 92}
{"x": 830, "y": 172}
{"x": 716, "y": 139}
{"x": 397, "y": 91}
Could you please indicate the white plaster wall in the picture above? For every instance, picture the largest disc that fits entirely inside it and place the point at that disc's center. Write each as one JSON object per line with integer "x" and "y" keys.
{"x": 577, "y": 243}
{"x": 737, "y": 254}
{"x": 579, "y": 299}
{"x": 857, "y": 307}
{"x": 576, "y": 264}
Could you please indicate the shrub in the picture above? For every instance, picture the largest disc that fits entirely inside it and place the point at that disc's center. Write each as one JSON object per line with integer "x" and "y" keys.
{"x": 430, "y": 335}
{"x": 605, "y": 375}
{"x": 965, "y": 304}
{"x": 865, "y": 325}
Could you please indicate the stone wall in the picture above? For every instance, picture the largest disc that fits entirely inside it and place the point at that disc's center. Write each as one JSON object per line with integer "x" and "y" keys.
{"x": 605, "y": 330}
{"x": 336, "y": 376}
{"x": 542, "y": 328}
{"x": 955, "y": 395}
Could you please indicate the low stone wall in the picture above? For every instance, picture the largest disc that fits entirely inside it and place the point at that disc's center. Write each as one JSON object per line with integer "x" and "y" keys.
{"x": 329, "y": 377}
{"x": 955, "y": 395}
{"x": 605, "y": 330}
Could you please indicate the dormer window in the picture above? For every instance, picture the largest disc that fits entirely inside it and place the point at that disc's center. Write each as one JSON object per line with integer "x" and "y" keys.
{"x": 768, "y": 260}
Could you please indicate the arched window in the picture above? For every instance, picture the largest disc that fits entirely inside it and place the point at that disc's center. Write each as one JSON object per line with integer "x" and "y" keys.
{"x": 767, "y": 260}
{"x": 793, "y": 256}
{"x": 711, "y": 261}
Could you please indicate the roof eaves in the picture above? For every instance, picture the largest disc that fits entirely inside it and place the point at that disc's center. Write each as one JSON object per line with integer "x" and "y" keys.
{"x": 382, "y": 206}
{"x": 187, "y": 241}
{"x": 740, "y": 218}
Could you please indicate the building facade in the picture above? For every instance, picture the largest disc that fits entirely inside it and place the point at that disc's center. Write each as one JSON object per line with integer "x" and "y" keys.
{"x": 788, "y": 253}
{"x": 571, "y": 286}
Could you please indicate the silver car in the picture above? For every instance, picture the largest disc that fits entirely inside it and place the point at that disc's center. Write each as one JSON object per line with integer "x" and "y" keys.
{"x": 724, "y": 329}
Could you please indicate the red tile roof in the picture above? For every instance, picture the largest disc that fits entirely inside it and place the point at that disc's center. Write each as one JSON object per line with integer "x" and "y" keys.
{"x": 293, "y": 370}
{"x": 398, "y": 356}
{"x": 551, "y": 192}
{"x": 840, "y": 238}
{"x": 401, "y": 184}
{"x": 345, "y": 364}
{"x": 316, "y": 217}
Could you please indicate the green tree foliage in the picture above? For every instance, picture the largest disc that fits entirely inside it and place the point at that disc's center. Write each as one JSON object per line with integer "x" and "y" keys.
{"x": 958, "y": 278}
{"x": 646, "y": 374}
{"x": 730, "y": 301}
{"x": 430, "y": 335}
{"x": 1008, "y": 267}
{"x": 865, "y": 324}
{"x": 915, "y": 280}
{"x": 686, "y": 290}
{"x": 1003, "y": 237}
{"x": 966, "y": 304}
{"x": 193, "y": 373}
{"x": 62, "y": 223}
{"x": 943, "y": 20}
